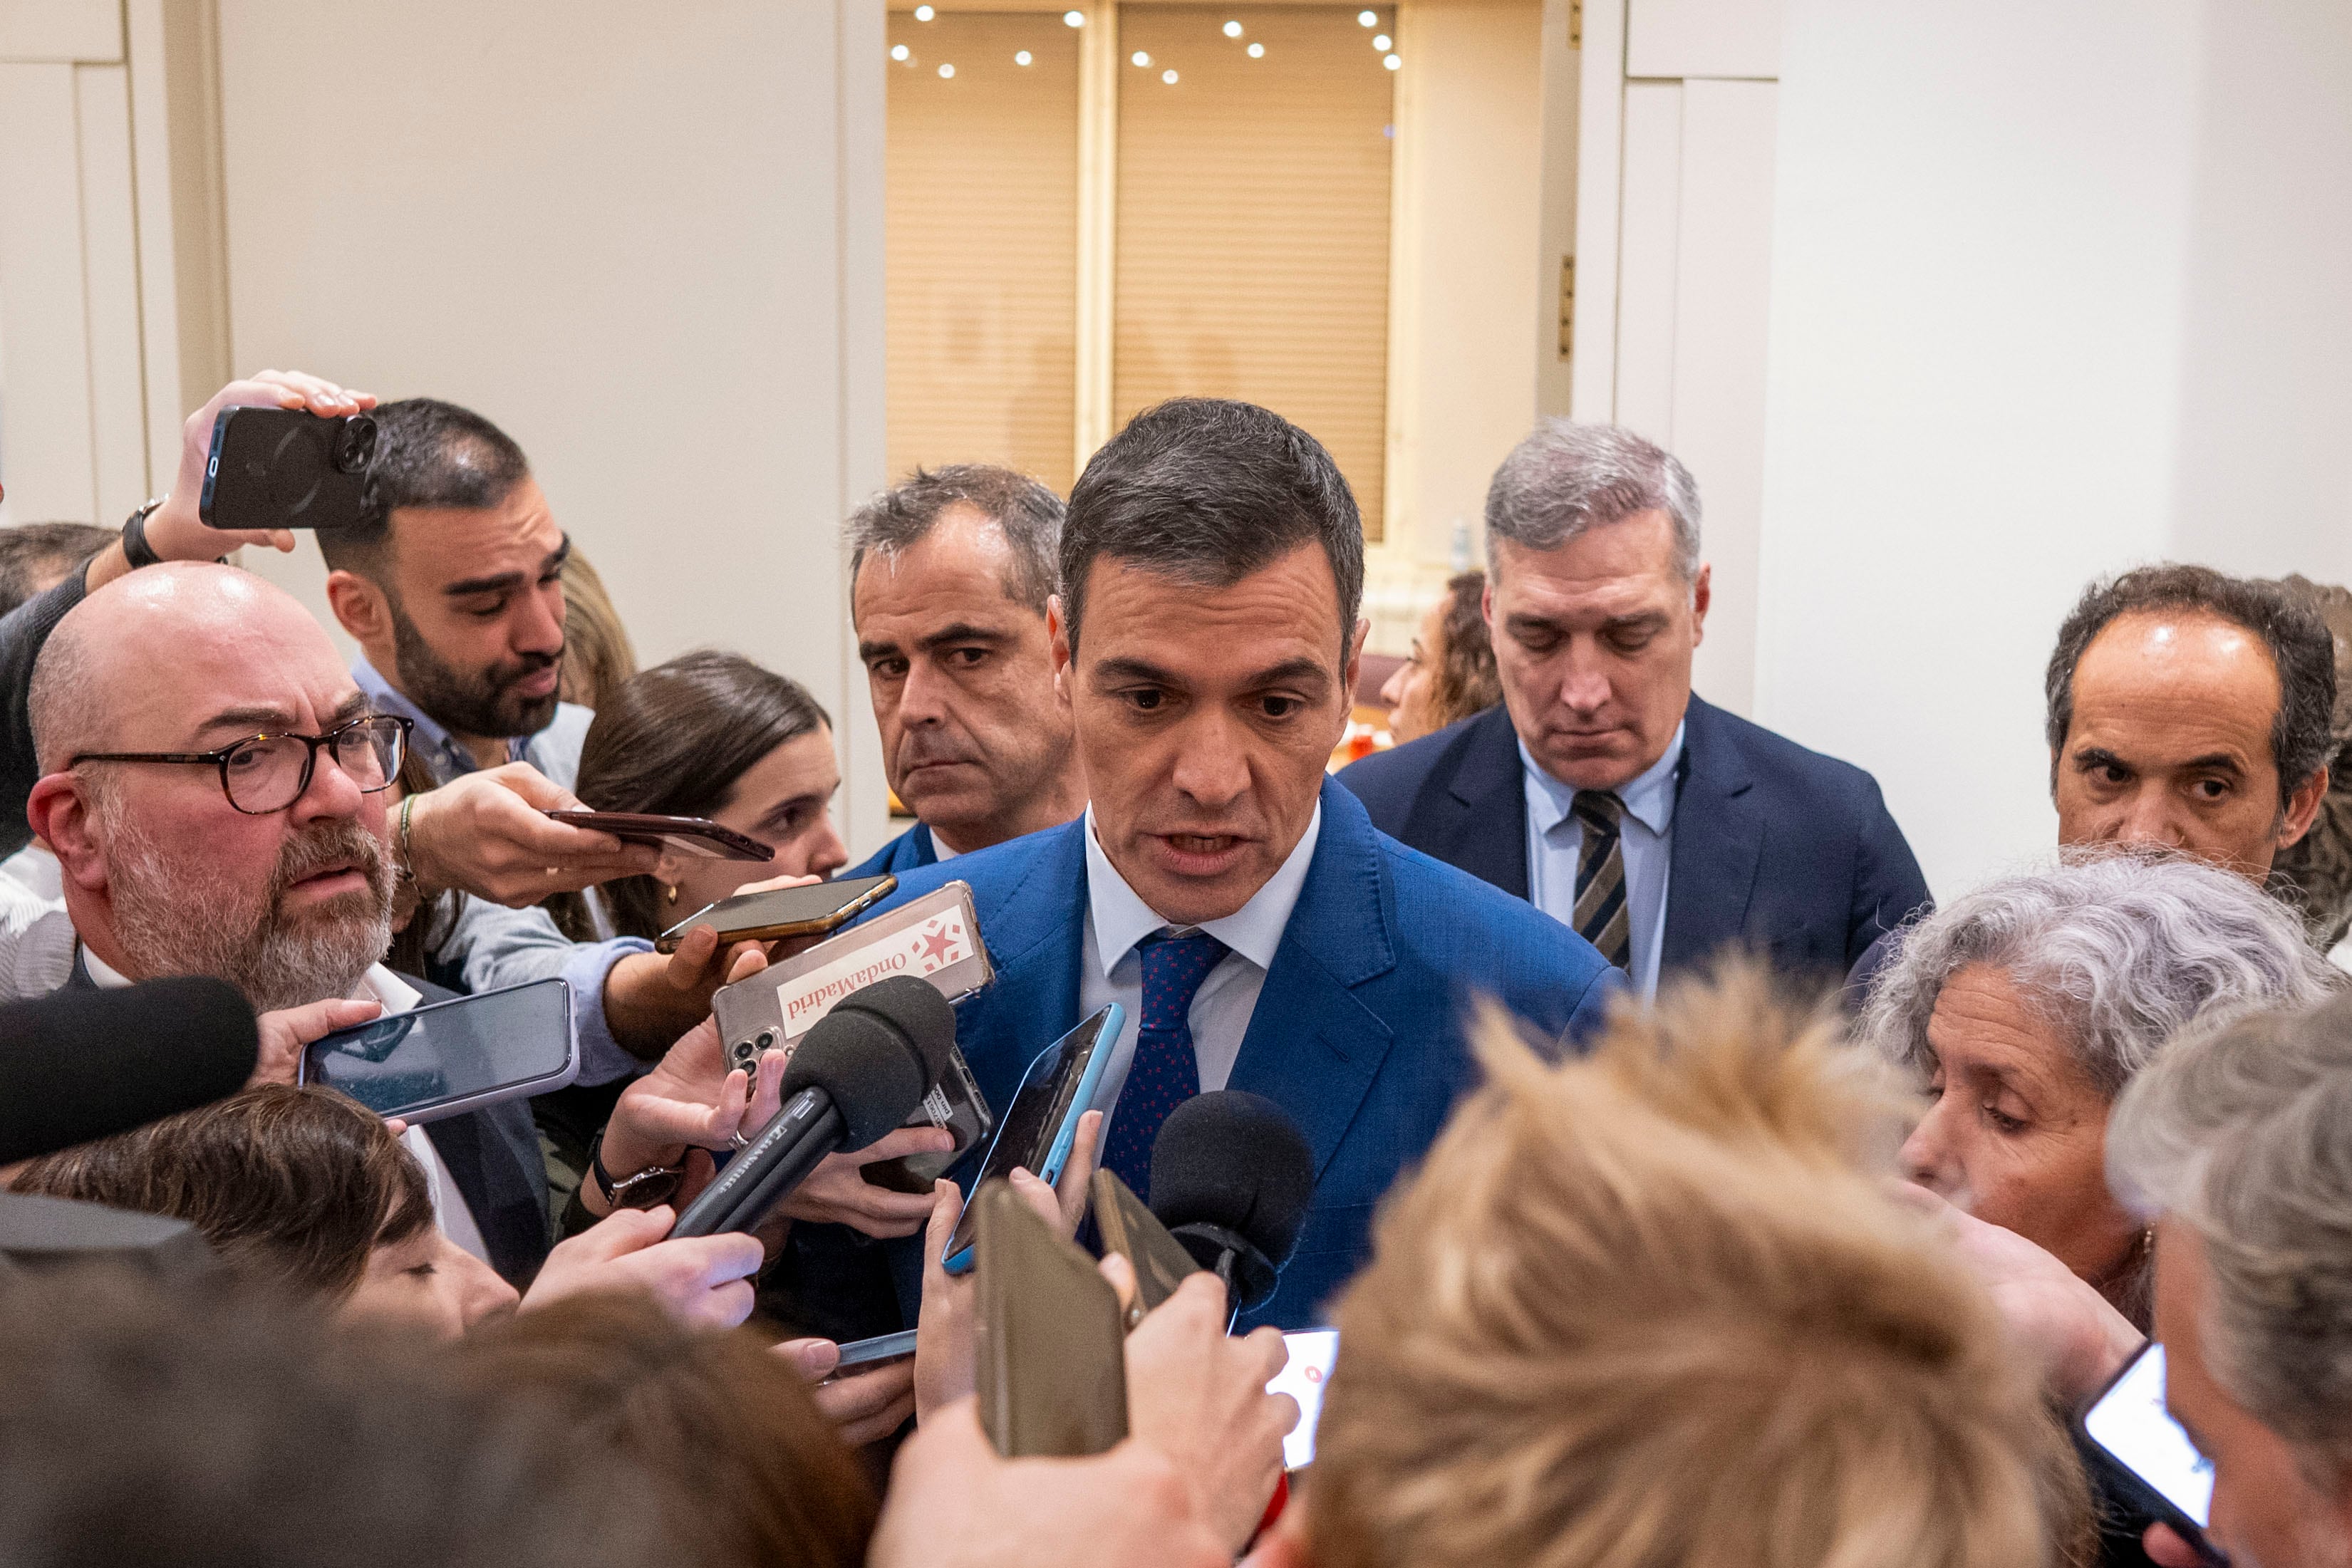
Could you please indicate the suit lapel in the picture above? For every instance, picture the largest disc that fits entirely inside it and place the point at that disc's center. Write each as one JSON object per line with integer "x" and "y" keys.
{"x": 1035, "y": 939}
{"x": 1487, "y": 833}
{"x": 1312, "y": 1046}
{"x": 1719, "y": 843}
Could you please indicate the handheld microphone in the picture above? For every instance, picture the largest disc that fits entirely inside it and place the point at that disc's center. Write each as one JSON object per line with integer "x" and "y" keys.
{"x": 1232, "y": 1177}
{"x": 855, "y": 1077}
{"x": 78, "y": 1065}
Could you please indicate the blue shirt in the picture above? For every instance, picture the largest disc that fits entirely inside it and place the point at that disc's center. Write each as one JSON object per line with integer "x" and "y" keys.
{"x": 1555, "y": 839}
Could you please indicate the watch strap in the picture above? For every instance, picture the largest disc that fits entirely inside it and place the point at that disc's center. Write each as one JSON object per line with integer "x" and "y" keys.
{"x": 135, "y": 547}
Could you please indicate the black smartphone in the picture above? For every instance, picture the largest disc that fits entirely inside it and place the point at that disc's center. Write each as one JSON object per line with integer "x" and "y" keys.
{"x": 455, "y": 1056}
{"x": 696, "y": 836}
{"x": 2127, "y": 1432}
{"x": 954, "y": 1103}
{"x": 286, "y": 468}
{"x": 882, "y": 1349}
{"x": 1063, "y": 1083}
{"x": 801, "y": 911}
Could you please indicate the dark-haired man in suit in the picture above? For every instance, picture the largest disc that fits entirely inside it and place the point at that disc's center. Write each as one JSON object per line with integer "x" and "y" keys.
{"x": 1605, "y": 791}
{"x": 1260, "y": 933}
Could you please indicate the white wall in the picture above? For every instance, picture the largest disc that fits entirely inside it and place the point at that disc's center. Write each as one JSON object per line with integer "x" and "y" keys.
{"x": 645, "y": 241}
{"x": 2056, "y": 288}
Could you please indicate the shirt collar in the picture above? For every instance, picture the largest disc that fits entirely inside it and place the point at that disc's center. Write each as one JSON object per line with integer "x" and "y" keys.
{"x": 1121, "y": 918}
{"x": 447, "y": 755}
{"x": 1648, "y": 798}
{"x": 378, "y": 984}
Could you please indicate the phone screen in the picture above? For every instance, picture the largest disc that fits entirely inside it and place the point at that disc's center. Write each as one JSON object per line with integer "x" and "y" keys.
{"x": 1047, "y": 1105}
{"x": 782, "y": 906}
{"x": 1312, "y": 1352}
{"x": 453, "y": 1056}
{"x": 2130, "y": 1423}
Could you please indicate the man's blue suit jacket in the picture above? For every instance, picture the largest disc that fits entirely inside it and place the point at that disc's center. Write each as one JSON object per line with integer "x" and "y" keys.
{"x": 1785, "y": 851}
{"x": 909, "y": 851}
{"x": 1357, "y": 1033}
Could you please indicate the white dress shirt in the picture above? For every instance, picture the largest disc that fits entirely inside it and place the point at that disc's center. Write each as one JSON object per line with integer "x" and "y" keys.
{"x": 1111, "y": 971}
{"x": 378, "y": 984}
{"x": 1647, "y": 829}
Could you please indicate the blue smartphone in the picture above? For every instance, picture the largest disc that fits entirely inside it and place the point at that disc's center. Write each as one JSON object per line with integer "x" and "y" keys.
{"x": 1062, "y": 1084}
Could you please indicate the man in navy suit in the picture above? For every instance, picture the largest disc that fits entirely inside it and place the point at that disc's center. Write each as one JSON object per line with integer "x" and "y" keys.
{"x": 949, "y": 574}
{"x": 1259, "y": 932}
{"x": 1603, "y": 789}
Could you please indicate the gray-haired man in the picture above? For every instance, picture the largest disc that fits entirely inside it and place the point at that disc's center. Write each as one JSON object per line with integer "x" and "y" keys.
{"x": 1602, "y": 788}
{"x": 950, "y": 576}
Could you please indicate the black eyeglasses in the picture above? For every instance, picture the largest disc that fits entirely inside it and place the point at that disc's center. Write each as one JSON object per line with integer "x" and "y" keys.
{"x": 267, "y": 773}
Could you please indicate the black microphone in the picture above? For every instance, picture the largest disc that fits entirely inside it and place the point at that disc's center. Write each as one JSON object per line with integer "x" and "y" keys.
{"x": 78, "y": 1065}
{"x": 858, "y": 1076}
{"x": 1231, "y": 1178}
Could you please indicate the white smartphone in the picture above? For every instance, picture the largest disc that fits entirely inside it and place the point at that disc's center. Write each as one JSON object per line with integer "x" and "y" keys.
{"x": 1312, "y": 1352}
{"x": 2132, "y": 1432}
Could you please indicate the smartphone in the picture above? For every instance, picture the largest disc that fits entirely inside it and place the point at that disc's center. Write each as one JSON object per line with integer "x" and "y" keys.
{"x": 1059, "y": 1087}
{"x": 286, "y": 468}
{"x": 1135, "y": 1233}
{"x": 451, "y": 1057}
{"x": 954, "y": 1103}
{"x": 801, "y": 911}
{"x": 1049, "y": 1347}
{"x": 2131, "y": 1435}
{"x": 882, "y": 1349}
{"x": 696, "y": 836}
{"x": 1312, "y": 1352}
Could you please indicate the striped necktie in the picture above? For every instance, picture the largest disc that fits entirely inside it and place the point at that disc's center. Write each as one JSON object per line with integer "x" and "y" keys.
{"x": 1601, "y": 915}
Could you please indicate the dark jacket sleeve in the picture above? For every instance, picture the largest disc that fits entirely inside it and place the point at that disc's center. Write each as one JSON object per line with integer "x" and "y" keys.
{"x": 1889, "y": 887}
{"x": 22, "y": 635}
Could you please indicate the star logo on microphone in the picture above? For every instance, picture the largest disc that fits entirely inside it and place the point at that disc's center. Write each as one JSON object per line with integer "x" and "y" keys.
{"x": 941, "y": 945}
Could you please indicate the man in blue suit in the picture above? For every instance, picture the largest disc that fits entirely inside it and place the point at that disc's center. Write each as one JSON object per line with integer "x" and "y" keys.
{"x": 1602, "y": 788}
{"x": 949, "y": 577}
{"x": 1258, "y": 930}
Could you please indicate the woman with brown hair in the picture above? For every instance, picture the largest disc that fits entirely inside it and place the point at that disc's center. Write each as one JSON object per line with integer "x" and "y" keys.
{"x": 1451, "y": 673}
{"x": 299, "y": 1187}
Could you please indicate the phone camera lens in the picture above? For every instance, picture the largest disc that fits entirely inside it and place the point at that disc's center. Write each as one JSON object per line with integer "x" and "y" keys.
{"x": 355, "y": 444}
{"x": 766, "y": 1040}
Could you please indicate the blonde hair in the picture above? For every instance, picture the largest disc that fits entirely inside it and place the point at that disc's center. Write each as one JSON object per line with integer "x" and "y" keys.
{"x": 1656, "y": 1309}
{"x": 597, "y": 653}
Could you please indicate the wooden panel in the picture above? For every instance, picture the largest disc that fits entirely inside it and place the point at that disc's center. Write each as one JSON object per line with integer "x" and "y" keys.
{"x": 982, "y": 242}
{"x": 60, "y": 30}
{"x": 1703, "y": 37}
{"x": 44, "y": 444}
{"x": 1254, "y": 221}
{"x": 1722, "y": 302}
{"x": 1650, "y": 215}
{"x": 117, "y": 417}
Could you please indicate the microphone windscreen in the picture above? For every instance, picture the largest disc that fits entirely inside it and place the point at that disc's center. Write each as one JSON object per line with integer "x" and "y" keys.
{"x": 868, "y": 1065}
{"x": 915, "y": 1010}
{"x": 1235, "y": 1159}
{"x": 78, "y": 1065}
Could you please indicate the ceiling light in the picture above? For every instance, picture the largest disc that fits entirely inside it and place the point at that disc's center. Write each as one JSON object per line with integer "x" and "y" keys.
{"x": 1367, "y": 19}
{"x": 1168, "y": 77}
{"x": 897, "y": 51}
{"x": 1391, "y": 61}
{"x": 1140, "y": 59}
{"x": 1257, "y": 51}
{"x": 924, "y": 13}
{"x": 1381, "y": 41}
{"x": 950, "y": 70}
{"x": 1020, "y": 56}
{"x": 1233, "y": 29}
{"x": 1073, "y": 18}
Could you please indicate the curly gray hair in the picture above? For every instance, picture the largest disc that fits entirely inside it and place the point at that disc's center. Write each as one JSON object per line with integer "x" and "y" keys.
{"x": 2120, "y": 950}
{"x": 2244, "y": 1131}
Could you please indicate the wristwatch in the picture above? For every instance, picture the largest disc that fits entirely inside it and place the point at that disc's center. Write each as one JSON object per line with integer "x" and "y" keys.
{"x": 642, "y": 1190}
{"x": 135, "y": 547}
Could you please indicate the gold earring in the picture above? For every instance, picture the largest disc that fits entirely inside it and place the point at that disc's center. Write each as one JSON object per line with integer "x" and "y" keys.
{"x": 673, "y": 895}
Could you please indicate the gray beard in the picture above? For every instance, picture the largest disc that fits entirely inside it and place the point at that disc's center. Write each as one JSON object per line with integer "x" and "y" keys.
{"x": 171, "y": 918}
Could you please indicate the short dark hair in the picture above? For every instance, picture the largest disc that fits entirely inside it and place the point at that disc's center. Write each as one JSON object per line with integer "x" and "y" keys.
{"x": 427, "y": 453}
{"x": 2300, "y": 647}
{"x": 292, "y": 1186}
{"x": 36, "y": 556}
{"x": 1029, "y": 512}
{"x": 673, "y": 740}
{"x": 1208, "y": 491}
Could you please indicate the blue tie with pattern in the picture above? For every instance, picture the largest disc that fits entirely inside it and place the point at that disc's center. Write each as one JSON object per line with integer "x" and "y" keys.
{"x": 1165, "y": 1073}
